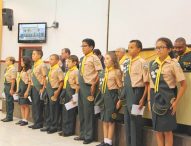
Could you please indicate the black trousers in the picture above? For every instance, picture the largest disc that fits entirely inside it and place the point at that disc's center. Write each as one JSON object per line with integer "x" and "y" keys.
{"x": 9, "y": 101}
{"x": 37, "y": 107}
{"x": 133, "y": 124}
{"x": 54, "y": 114}
{"x": 86, "y": 114}
{"x": 134, "y": 129}
{"x": 47, "y": 120}
{"x": 69, "y": 120}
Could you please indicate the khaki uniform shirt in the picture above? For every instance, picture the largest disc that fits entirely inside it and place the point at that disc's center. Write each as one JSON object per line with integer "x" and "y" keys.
{"x": 139, "y": 73}
{"x": 91, "y": 67}
{"x": 26, "y": 76}
{"x": 10, "y": 74}
{"x": 56, "y": 77}
{"x": 114, "y": 79}
{"x": 40, "y": 71}
{"x": 171, "y": 72}
{"x": 73, "y": 79}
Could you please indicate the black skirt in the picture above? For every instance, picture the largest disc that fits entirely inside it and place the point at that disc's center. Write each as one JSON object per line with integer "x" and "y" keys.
{"x": 162, "y": 123}
{"x": 109, "y": 112}
{"x": 21, "y": 92}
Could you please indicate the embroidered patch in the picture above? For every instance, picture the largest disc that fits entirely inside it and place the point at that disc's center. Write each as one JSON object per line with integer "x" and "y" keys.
{"x": 153, "y": 76}
{"x": 186, "y": 63}
{"x": 114, "y": 116}
{"x": 146, "y": 66}
{"x": 153, "y": 73}
{"x": 154, "y": 65}
{"x": 90, "y": 98}
{"x": 156, "y": 70}
{"x": 178, "y": 64}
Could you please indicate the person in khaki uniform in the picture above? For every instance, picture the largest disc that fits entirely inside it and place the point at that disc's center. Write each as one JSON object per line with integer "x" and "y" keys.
{"x": 9, "y": 87}
{"x": 70, "y": 93}
{"x": 110, "y": 86}
{"x": 134, "y": 92}
{"x": 97, "y": 52}
{"x": 122, "y": 57}
{"x": 65, "y": 53}
{"x": 164, "y": 73}
{"x": 38, "y": 78}
{"x": 90, "y": 65}
{"x": 183, "y": 54}
{"x": 23, "y": 90}
{"x": 53, "y": 88}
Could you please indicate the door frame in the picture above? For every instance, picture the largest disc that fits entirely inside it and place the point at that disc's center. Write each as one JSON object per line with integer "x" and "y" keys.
{"x": 21, "y": 48}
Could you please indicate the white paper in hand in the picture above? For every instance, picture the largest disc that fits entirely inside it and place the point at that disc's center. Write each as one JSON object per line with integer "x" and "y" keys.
{"x": 75, "y": 97}
{"x": 15, "y": 97}
{"x": 3, "y": 94}
{"x": 97, "y": 110}
{"x": 136, "y": 111}
{"x": 41, "y": 98}
{"x": 29, "y": 98}
{"x": 70, "y": 105}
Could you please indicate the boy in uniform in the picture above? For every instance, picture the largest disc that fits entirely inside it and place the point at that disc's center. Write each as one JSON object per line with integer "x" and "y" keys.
{"x": 88, "y": 81}
{"x": 53, "y": 88}
{"x": 70, "y": 89}
{"x": 135, "y": 91}
{"x": 9, "y": 87}
{"x": 38, "y": 77}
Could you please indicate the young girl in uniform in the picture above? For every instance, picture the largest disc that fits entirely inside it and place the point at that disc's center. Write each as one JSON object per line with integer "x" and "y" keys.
{"x": 110, "y": 84}
{"x": 164, "y": 73}
{"x": 24, "y": 84}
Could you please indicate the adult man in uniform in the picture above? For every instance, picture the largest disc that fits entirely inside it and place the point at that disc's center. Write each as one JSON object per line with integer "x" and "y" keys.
{"x": 63, "y": 59}
{"x": 121, "y": 55}
{"x": 184, "y": 54}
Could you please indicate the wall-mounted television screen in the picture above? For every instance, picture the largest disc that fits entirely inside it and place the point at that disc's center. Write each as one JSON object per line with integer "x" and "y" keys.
{"x": 32, "y": 32}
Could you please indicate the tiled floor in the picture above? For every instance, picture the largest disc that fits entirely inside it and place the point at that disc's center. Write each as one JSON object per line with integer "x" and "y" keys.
{"x": 14, "y": 135}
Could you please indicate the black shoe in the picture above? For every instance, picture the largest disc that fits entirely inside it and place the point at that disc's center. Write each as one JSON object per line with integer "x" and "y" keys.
{"x": 44, "y": 129}
{"x": 19, "y": 122}
{"x": 78, "y": 138}
{"x": 31, "y": 126}
{"x": 37, "y": 127}
{"x": 101, "y": 144}
{"x": 52, "y": 131}
{"x": 7, "y": 120}
{"x": 67, "y": 134}
{"x": 61, "y": 133}
{"x": 88, "y": 141}
{"x": 24, "y": 123}
{"x": 59, "y": 129}
{"x": 3, "y": 119}
{"x": 107, "y": 144}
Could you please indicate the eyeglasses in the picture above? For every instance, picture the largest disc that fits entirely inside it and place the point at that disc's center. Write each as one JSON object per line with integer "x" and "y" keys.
{"x": 83, "y": 46}
{"x": 160, "y": 48}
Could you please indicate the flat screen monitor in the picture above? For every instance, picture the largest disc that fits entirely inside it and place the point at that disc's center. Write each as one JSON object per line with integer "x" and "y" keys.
{"x": 32, "y": 32}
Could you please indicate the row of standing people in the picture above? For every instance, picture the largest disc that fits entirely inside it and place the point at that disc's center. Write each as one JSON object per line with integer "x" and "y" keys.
{"x": 127, "y": 84}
